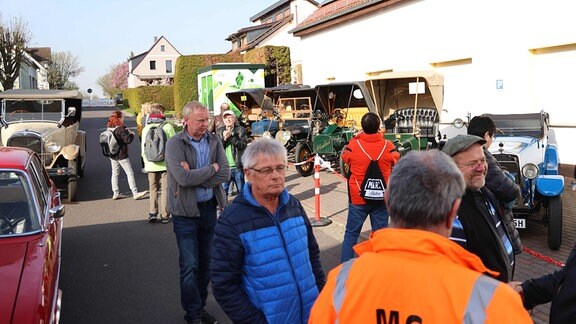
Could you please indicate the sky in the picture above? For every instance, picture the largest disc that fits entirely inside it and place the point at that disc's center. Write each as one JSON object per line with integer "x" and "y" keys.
{"x": 103, "y": 33}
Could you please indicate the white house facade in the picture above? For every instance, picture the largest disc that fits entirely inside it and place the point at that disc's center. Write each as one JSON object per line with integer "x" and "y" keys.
{"x": 496, "y": 56}
{"x": 155, "y": 66}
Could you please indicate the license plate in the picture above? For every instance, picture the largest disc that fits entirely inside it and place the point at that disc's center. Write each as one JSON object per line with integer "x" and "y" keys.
{"x": 520, "y": 222}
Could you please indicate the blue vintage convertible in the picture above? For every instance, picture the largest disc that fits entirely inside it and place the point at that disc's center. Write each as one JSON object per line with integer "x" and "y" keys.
{"x": 526, "y": 150}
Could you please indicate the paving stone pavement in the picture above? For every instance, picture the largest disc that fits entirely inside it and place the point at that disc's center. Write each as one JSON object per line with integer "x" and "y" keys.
{"x": 334, "y": 203}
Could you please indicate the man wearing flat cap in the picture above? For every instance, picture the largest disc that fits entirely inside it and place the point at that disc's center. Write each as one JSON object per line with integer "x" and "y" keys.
{"x": 478, "y": 226}
{"x": 235, "y": 141}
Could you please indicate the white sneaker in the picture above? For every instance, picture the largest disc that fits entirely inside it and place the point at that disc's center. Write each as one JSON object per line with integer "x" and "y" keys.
{"x": 140, "y": 195}
{"x": 118, "y": 196}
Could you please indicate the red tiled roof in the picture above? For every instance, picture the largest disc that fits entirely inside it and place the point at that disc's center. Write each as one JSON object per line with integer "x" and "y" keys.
{"x": 334, "y": 8}
{"x": 347, "y": 9}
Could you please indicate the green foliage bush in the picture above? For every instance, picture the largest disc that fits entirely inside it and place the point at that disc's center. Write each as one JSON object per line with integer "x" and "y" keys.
{"x": 135, "y": 97}
{"x": 186, "y": 75}
{"x": 276, "y": 58}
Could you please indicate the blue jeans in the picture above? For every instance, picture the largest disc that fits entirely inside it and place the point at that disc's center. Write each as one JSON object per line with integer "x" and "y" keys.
{"x": 356, "y": 216}
{"x": 195, "y": 236}
{"x": 236, "y": 176}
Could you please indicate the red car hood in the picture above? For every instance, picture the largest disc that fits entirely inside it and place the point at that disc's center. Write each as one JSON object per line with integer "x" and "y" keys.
{"x": 12, "y": 256}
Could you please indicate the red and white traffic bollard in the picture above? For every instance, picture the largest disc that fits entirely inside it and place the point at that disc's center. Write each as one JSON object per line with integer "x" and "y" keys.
{"x": 317, "y": 220}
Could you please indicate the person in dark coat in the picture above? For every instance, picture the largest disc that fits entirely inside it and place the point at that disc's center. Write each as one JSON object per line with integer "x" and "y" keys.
{"x": 123, "y": 136}
{"x": 234, "y": 140}
{"x": 558, "y": 287}
{"x": 478, "y": 226}
{"x": 500, "y": 182}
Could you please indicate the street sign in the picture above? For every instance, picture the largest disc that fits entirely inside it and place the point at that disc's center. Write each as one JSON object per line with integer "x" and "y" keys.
{"x": 89, "y": 90}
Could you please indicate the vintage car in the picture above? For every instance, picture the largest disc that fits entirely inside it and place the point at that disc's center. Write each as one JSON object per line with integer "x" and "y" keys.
{"x": 30, "y": 239}
{"x": 524, "y": 148}
{"x": 295, "y": 112}
{"x": 47, "y": 122}
{"x": 410, "y": 104}
{"x": 335, "y": 118}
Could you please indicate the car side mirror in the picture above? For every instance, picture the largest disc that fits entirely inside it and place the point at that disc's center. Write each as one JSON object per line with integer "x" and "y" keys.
{"x": 71, "y": 112}
{"x": 57, "y": 211}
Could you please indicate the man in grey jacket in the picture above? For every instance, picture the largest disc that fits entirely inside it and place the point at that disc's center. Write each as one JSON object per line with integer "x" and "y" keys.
{"x": 197, "y": 167}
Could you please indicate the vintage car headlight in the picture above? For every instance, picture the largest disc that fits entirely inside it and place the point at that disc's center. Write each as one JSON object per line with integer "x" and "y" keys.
{"x": 53, "y": 146}
{"x": 266, "y": 134}
{"x": 530, "y": 171}
{"x": 459, "y": 123}
{"x": 283, "y": 137}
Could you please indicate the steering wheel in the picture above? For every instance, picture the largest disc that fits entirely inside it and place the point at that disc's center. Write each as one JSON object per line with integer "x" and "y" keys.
{"x": 6, "y": 226}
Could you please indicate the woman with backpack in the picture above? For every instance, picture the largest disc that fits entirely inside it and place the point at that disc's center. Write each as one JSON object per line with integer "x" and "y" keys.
{"x": 154, "y": 136}
{"x": 123, "y": 137}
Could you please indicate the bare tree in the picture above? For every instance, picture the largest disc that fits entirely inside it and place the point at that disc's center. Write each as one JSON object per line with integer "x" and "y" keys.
{"x": 64, "y": 66}
{"x": 14, "y": 38}
{"x": 106, "y": 83}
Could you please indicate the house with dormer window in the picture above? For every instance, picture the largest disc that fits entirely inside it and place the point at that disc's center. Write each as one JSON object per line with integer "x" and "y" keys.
{"x": 33, "y": 72}
{"x": 155, "y": 66}
{"x": 271, "y": 26}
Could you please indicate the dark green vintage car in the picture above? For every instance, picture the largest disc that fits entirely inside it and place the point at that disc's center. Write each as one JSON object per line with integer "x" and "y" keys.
{"x": 320, "y": 120}
{"x": 409, "y": 104}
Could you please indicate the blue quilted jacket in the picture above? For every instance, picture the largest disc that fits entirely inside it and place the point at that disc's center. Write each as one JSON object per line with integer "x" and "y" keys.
{"x": 265, "y": 268}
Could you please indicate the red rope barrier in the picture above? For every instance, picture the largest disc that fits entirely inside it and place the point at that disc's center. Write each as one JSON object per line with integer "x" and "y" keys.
{"x": 542, "y": 257}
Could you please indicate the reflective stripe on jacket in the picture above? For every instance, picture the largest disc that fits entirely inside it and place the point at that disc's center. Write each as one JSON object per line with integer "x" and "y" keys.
{"x": 415, "y": 276}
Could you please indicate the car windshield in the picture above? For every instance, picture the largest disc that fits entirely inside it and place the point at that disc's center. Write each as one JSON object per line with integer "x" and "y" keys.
{"x": 519, "y": 125}
{"x": 37, "y": 110}
{"x": 16, "y": 213}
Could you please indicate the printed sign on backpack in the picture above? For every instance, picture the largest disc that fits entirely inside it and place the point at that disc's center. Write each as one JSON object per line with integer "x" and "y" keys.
{"x": 374, "y": 185}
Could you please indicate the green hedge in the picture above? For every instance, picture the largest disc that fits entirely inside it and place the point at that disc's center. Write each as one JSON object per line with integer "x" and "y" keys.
{"x": 186, "y": 75}
{"x": 135, "y": 97}
{"x": 272, "y": 56}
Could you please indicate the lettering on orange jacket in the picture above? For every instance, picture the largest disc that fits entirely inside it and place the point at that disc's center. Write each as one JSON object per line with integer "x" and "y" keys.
{"x": 395, "y": 318}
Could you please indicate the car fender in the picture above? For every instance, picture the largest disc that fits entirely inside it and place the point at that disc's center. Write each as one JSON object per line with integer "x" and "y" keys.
{"x": 550, "y": 185}
{"x": 551, "y": 160}
{"x": 70, "y": 152}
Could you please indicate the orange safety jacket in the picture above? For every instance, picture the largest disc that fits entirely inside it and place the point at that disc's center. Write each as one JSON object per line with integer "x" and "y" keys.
{"x": 415, "y": 276}
{"x": 355, "y": 157}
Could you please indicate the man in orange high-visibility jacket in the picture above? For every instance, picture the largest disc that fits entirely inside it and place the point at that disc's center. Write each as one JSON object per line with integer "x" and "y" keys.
{"x": 411, "y": 272}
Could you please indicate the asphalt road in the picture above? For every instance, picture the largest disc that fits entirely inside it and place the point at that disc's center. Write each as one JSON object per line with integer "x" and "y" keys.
{"x": 116, "y": 267}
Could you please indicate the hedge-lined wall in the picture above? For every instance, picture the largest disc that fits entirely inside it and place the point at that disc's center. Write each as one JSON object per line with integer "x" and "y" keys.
{"x": 186, "y": 75}
{"x": 135, "y": 97}
{"x": 276, "y": 58}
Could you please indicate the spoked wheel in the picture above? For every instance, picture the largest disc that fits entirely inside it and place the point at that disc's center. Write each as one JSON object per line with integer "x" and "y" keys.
{"x": 554, "y": 213}
{"x": 303, "y": 153}
{"x": 344, "y": 168}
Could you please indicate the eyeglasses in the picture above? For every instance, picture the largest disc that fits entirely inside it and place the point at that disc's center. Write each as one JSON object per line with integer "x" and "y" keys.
{"x": 268, "y": 171}
{"x": 473, "y": 164}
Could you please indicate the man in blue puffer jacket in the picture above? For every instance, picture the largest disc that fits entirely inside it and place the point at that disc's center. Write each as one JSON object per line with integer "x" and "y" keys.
{"x": 265, "y": 259}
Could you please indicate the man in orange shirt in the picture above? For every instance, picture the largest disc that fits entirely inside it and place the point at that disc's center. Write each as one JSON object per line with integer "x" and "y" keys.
{"x": 411, "y": 272}
{"x": 365, "y": 147}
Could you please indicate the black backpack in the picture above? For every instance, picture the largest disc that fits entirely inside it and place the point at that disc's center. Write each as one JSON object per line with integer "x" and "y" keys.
{"x": 374, "y": 185}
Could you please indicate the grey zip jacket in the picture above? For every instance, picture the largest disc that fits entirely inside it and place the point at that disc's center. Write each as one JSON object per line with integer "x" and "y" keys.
{"x": 182, "y": 183}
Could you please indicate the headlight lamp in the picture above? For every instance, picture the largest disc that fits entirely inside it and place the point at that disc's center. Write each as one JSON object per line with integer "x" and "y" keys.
{"x": 530, "y": 171}
{"x": 283, "y": 137}
{"x": 53, "y": 146}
